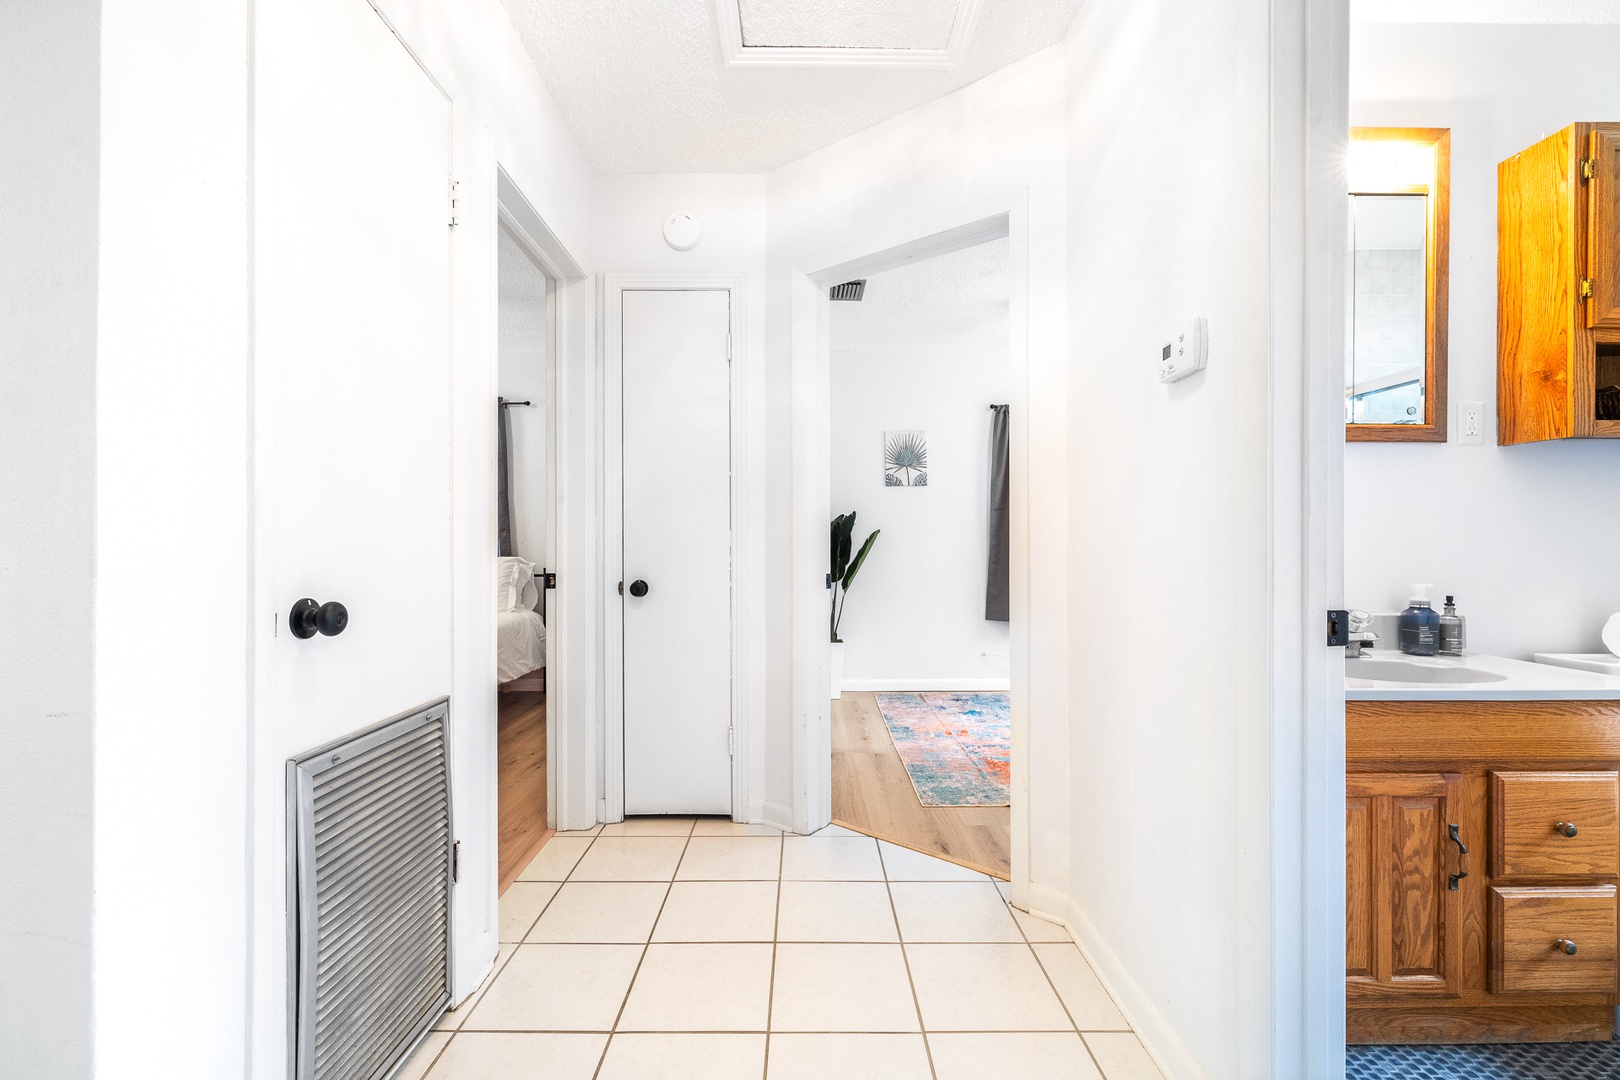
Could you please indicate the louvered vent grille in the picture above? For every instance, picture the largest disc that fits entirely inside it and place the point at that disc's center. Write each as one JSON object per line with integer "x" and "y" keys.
{"x": 371, "y": 877}
{"x": 849, "y": 290}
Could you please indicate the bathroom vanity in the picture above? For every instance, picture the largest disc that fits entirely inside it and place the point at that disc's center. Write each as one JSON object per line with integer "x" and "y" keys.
{"x": 1482, "y": 836}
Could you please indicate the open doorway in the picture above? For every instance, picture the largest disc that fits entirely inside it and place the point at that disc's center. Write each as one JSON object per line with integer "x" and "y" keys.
{"x": 523, "y": 533}
{"x": 919, "y": 389}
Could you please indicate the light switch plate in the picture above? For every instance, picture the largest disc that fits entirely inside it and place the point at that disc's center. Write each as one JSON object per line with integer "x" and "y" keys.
{"x": 1471, "y": 423}
{"x": 1186, "y": 351}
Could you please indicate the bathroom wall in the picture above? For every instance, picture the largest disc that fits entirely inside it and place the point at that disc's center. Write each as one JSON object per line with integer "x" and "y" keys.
{"x": 1524, "y": 536}
{"x": 522, "y": 377}
{"x": 926, "y": 349}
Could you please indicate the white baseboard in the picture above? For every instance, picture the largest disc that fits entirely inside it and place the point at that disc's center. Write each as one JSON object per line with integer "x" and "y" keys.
{"x": 1157, "y": 1036}
{"x": 778, "y": 816}
{"x": 981, "y": 686}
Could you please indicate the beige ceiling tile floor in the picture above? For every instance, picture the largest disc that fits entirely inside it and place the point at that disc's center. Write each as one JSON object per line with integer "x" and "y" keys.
{"x": 601, "y": 913}
{"x": 684, "y": 1056}
{"x": 698, "y": 949}
{"x": 718, "y": 911}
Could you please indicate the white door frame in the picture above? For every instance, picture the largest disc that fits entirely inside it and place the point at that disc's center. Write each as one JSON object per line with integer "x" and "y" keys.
{"x": 524, "y": 223}
{"x": 989, "y": 219}
{"x": 747, "y": 659}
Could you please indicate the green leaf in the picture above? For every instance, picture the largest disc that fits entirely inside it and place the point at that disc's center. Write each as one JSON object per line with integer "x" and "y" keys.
{"x": 855, "y": 567}
{"x": 842, "y": 527}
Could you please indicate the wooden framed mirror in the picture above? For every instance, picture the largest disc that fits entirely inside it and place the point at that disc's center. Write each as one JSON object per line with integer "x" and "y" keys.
{"x": 1395, "y": 298}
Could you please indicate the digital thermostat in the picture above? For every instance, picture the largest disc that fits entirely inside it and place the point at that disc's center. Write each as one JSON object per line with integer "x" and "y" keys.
{"x": 1185, "y": 352}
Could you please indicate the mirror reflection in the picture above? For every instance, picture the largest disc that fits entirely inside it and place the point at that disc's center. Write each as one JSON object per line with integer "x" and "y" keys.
{"x": 1386, "y": 350}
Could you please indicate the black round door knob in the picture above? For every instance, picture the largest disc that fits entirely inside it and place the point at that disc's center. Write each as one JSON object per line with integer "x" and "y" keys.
{"x": 309, "y": 618}
{"x": 638, "y": 588}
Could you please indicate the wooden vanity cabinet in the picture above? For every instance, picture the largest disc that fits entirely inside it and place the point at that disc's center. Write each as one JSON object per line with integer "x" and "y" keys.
{"x": 1524, "y": 947}
{"x": 1558, "y": 286}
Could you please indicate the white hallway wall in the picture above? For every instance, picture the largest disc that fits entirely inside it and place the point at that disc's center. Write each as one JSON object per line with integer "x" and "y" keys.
{"x": 521, "y": 329}
{"x": 1522, "y": 535}
{"x": 1169, "y": 204}
{"x": 50, "y": 128}
{"x": 1000, "y": 139}
{"x": 630, "y": 215}
{"x": 926, "y": 349}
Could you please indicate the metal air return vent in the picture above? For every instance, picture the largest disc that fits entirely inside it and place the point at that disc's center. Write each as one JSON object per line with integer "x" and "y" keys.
{"x": 849, "y": 290}
{"x": 369, "y": 878}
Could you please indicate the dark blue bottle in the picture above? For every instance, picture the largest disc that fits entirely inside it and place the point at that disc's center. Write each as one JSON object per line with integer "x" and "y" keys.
{"x": 1420, "y": 625}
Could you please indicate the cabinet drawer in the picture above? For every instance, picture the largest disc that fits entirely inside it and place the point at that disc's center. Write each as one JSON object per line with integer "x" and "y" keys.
{"x": 1532, "y": 813}
{"x": 1531, "y": 930}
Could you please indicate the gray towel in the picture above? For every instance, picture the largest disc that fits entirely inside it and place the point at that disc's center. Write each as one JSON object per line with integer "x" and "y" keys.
{"x": 504, "y": 495}
{"x": 996, "y": 582}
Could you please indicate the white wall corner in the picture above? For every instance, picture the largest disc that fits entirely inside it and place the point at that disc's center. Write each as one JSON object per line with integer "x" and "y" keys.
{"x": 1157, "y": 1035}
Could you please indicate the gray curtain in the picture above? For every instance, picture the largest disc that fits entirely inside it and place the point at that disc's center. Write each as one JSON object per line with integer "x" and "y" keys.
{"x": 996, "y": 580}
{"x": 505, "y": 492}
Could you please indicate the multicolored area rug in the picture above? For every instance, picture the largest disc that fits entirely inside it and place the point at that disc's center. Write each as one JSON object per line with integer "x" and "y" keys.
{"x": 954, "y": 746}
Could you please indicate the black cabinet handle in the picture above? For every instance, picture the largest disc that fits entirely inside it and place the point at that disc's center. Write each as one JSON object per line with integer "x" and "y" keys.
{"x": 638, "y": 588}
{"x": 1566, "y": 828}
{"x": 1565, "y": 946}
{"x": 1462, "y": 853}
{"x": 309, "y": 618}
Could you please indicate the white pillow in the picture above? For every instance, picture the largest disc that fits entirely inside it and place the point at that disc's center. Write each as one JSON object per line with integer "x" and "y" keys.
{"x": 513, "y": 575}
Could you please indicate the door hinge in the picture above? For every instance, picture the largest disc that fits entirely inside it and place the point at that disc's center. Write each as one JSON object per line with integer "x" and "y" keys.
{"x": 455, "y": 209}
{"x": 455, "y": 861}
{"x": 731, "y": 741}
{"x": 728, "y": 348}
{"x": 1585, "y": 290}
{"x": 1338, "y": 627}
{"x": 1588, "y": 169}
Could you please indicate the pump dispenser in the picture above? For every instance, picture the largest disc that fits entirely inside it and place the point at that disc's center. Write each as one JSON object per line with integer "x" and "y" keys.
{"x": 1453, "y": 630}
{"x": 1420, "y": 625}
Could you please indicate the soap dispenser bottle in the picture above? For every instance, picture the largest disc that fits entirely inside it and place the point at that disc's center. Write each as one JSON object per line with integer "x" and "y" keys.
{"x": 1420, "y": 625}
{"x": 1453, "y": 630}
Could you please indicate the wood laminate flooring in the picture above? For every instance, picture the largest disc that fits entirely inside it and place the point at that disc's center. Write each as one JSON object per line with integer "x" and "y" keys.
{"x": 872, "y": 794}
{"x": 521, "y": 781}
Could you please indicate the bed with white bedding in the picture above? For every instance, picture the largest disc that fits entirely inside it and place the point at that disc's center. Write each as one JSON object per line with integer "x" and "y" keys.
{"x": 520, "y": 633}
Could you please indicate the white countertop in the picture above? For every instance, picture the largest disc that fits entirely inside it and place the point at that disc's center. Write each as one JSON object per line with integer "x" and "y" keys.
{"x": 1510, "y": 680}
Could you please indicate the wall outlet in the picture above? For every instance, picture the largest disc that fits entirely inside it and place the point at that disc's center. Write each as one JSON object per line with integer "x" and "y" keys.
{"x": 1471, "y": 423}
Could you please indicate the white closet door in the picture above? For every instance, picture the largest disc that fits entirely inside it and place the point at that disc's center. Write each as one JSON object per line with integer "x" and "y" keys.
{"x": 352, "y": 272}
{"x": 677, "y": 543}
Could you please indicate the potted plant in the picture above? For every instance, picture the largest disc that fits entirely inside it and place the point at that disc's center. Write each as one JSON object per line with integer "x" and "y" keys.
{"x": 842, "y": 577}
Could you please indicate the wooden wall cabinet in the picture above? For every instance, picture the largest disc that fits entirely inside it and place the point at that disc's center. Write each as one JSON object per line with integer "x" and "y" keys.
{"x": 1524, "y": 948}
{"x": 1558, "y": 286}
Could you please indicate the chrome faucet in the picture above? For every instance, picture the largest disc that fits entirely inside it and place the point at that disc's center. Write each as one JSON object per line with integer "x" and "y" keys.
{"x": 1361, "y": 637}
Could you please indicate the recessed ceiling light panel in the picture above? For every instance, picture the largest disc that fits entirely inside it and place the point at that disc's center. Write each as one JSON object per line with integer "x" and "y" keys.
{"x": 845, "y": 33}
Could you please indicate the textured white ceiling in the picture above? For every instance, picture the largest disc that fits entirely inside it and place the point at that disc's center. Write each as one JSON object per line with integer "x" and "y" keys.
{"x": 848, "y": 24}
{"x": 958, "y": 300}
{"x": 642, "y": 84}
{"x": 1486, "y": 11}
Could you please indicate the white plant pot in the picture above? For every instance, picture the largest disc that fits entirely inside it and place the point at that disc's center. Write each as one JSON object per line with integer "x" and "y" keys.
{"x": 835, "y": 670}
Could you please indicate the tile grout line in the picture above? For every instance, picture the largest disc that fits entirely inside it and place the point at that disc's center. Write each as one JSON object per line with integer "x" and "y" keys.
{"x": 630, "y": 987}
{"x": 501, "y": 966}
{"x": 776, "y": 931}
{"x": 1047, "y": 975}
{"x": 905, "y": 959}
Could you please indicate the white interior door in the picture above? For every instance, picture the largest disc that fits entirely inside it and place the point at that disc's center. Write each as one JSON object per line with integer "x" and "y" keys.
{"x": 677, "y": 548}
{"x": 352, "y": 272}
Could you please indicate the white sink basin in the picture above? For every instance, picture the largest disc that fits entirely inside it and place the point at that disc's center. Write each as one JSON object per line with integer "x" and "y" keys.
{"x": 1394, "y": 676}
{"x": 1416, "y": 669}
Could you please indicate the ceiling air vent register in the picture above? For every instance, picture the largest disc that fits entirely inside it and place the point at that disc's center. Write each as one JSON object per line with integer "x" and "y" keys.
{"x": 849, "y": 290}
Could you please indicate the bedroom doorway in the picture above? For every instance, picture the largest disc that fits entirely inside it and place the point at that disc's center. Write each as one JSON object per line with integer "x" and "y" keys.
{"x": 525, "y": 530}
{"x": 919, "y": 390}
